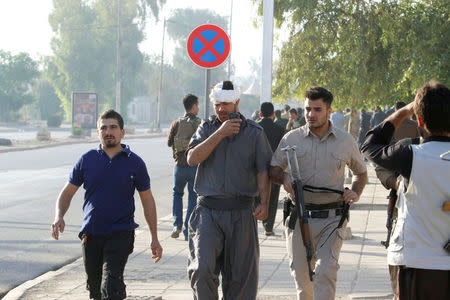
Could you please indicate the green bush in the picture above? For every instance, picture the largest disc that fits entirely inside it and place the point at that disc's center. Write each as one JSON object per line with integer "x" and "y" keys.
{"x": 77, "y": 131}
{"x": 54, "y": 120}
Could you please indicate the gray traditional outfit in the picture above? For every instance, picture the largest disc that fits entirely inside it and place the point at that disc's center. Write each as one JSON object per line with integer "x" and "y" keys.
{"x": 222, "y": 229}
{"x": 223, "y": 235}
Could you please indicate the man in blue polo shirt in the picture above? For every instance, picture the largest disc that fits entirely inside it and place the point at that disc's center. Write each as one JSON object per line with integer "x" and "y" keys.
{"x": 110, "y": 175}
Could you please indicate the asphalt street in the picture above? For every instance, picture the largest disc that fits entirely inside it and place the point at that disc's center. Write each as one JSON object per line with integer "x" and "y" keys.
{"x": 29, "y": 185}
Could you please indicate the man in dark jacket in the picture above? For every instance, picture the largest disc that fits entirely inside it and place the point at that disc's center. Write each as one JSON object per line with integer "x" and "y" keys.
{"x": 419, "y": 243}
{"x": 377, "y": 117}
{"x": 274, "y": 134}
{"x": 279, "y": 121}
{"x": 364, "y": 126}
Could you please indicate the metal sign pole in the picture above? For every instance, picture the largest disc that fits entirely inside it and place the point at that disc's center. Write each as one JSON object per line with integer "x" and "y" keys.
{"x": 266, "y": 80}
{"x": 207, "y": 84}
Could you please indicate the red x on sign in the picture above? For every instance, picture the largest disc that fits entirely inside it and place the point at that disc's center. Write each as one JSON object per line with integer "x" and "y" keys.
{"x": 208, "y": 46}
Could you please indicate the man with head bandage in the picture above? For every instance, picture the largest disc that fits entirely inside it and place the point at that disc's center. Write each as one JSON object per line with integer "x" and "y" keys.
{"x": 233, "y": 157}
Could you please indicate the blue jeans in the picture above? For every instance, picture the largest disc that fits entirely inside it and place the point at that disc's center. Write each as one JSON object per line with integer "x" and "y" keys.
{"x": 181, "y": 176}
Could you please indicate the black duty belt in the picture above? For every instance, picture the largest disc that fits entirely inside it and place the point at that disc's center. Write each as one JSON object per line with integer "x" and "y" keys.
{"x": 333, "y": 205}
{"x": 315, "y": 211}
{"x": 323, "y": 214}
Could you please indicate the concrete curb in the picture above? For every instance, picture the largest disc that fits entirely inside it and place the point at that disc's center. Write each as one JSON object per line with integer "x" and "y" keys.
{"x": 17, "y": 292}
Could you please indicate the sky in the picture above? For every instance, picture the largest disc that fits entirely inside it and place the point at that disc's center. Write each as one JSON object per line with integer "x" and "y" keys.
{"x": 24, "y": 27}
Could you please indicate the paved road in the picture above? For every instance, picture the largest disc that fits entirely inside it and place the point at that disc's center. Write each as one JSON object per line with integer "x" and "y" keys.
{"x": 29, "y": 184}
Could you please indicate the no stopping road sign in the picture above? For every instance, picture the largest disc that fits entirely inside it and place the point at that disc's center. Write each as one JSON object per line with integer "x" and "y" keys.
{"x": 208, "y": 46}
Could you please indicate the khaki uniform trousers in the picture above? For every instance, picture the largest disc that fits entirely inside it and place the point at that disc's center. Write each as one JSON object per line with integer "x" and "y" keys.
{"x": 325, "y": 260}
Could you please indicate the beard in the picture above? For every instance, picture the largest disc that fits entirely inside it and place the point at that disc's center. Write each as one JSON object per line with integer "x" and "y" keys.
{"x": 109, "y": 142}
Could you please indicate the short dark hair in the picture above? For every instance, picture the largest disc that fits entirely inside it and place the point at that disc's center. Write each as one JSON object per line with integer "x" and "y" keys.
{"x": 189, "y": 100}
{"x": 111, "y": 114}
{"x": 432, "y": 105}
{"x": 286, "y": 107}
{"x": 318, "y": 92}
{"x": 227, "y": 85}
{"x": 278, "y": 114}
{"x": 399, "y": 105}
{"x": 293, "y": 111}
{"x": 266, "y": 109}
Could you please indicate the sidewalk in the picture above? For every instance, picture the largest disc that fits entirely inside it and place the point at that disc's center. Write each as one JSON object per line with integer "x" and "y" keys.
{"x": 32, "y": 144}
{"x": 363, "y": 273}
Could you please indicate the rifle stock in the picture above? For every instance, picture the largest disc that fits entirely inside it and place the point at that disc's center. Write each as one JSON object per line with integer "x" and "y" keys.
{"x": 304, "y": 223}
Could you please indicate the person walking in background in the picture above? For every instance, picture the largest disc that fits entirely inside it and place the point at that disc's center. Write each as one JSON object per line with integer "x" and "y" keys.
{"x": 322, "y": 151}
{"x": 377, "y": 118}
{"x": 285, "y": 112}
{"x": 279, "y": 121}
{"x": 420, "y": 243}
{"x": 274, "y": 134}
{"x": 294, "y": 121}
{"x": 301, "y": 116}
{"x": 363, "y": 127}
{"x": 110, "y": 174}
{"x": 337, "y": 118}
{"x": 233, "y": 157}
{"x": 180, "y": 133}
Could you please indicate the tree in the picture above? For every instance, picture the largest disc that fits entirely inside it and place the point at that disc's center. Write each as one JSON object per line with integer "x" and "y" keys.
{"x": 84, "y": 47}
{"x": 17, "y": 73}
{"x": 365, "y": 52}
{"x": 48, "y": 102}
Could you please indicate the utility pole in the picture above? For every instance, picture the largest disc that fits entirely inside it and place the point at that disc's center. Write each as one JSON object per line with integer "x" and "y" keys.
{"x": 266, "y": 80}
{"x": 158, "y": 120}
{"x": 229, "y": 57}
{"x": 118, "y": 60}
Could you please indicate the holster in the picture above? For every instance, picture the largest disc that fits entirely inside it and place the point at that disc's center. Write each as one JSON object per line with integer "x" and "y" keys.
{"x": 289, "y": 211}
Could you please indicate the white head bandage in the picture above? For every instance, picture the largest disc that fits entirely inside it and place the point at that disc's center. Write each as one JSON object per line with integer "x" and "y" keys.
{"x": 218, "y": 95}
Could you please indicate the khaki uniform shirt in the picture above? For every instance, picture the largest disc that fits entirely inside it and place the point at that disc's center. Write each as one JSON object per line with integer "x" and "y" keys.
{"x": 321, "y": 161}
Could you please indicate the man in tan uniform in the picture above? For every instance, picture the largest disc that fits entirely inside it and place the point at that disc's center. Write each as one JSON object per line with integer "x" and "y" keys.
{"x": 322, "y": 151}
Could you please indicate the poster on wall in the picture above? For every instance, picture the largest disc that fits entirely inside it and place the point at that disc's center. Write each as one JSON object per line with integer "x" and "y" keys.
{"x": 84, "y": 109}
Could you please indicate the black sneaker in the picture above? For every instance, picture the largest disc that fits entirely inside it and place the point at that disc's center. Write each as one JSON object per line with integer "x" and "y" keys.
{"x": 186, "y": 238}
{"x": 176, "y": 232}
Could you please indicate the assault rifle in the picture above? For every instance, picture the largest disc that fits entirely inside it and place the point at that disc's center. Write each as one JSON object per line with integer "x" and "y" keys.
{"x": 390, "y": 215}
{"x": 300, "y": 207}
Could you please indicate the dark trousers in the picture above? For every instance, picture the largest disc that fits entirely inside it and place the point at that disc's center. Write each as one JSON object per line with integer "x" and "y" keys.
{"x": 104, "y": 258}
{"x": 423, "y": 284}
{"x": 273, "y": 206}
